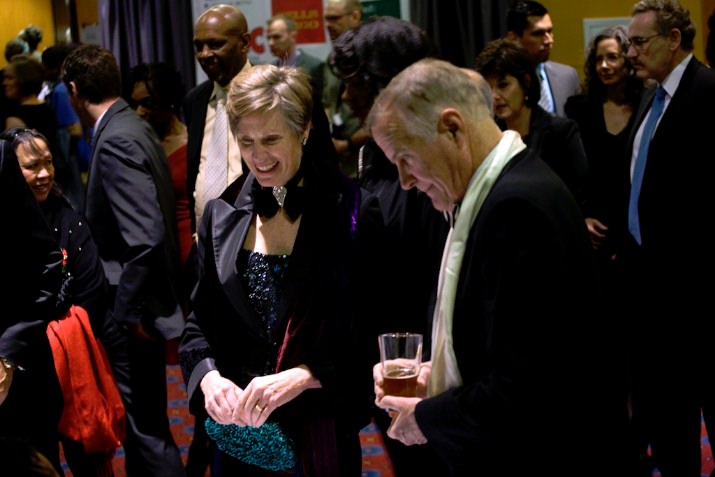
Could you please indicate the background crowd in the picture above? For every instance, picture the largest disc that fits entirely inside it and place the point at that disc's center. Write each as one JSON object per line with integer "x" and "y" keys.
{"x": 542, "y": 231}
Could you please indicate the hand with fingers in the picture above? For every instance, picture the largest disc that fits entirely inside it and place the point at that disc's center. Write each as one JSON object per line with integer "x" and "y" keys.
{"x": 220, "y": 397}
{"x": 403, "y": 427}
{"x": 265, "y": 394}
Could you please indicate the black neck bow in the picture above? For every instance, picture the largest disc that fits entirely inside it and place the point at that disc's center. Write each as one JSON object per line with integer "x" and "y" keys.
{"x": 267, "y": 200}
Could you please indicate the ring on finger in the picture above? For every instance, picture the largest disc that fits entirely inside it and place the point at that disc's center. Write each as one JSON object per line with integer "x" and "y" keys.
{"x": 259, "y": 408}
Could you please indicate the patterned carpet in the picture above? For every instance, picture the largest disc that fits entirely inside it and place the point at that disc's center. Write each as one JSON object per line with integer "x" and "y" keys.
{"x": 375, "y": 461}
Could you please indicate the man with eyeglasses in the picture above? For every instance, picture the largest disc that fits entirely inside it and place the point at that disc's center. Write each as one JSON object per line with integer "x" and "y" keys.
{"x": 529, "y": 24}
{"x": 666, "y": 239}
{"x": 348, "y": 136}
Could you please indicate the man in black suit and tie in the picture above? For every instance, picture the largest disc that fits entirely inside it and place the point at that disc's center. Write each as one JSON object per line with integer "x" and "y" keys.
{"x": 529, "y": 24}
{"x": 282, "y": 34}
{"x": 130, "y": 212}
{"x": 666, "y": 251}
{"x": 221, "y": 44}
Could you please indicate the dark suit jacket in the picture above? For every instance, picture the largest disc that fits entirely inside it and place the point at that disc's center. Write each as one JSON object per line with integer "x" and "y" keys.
{"x": 557, "y": 141}
{"x": 674, "y": 205}
{"x": 196, "y": 102}
{"x": 523, "y": 321}
{"x": 130, "y": 210}
{"x": 314, "y": 66}
{"x": 564, "y": 83}
{"x": 33, "y": 265}
{"x": 317, "y": 304}
{"x": 195, "y": 105}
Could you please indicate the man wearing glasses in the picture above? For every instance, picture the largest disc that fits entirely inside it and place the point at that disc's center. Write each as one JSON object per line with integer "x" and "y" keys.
{"x": 668, "y": 198}
{"x": 348, "y": 135}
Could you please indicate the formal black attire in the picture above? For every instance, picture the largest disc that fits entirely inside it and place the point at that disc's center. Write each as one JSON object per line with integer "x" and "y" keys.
{"x": 315, "y": 322}
{"x": 196, "y": 104}
{"x": 532, "y": 352}
{"x": 404, "y": 282}
{"x": 557, "y": 141}
{"x": 130, "y": 211}
{"x": 667, "y": 285}
{"x": 86, "y": 287}
{"x": 29, "y": 296}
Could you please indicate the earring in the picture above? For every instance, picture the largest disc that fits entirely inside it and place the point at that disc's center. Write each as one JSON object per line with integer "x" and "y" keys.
{"x": 305, "y": 140}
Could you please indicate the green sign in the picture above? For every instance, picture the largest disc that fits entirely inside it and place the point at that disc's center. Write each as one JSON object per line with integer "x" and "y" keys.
{"x": 372, "y": 8}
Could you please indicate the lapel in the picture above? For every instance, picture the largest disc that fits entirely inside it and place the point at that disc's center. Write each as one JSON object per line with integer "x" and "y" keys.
{"x": 229, "y": 226}
{"x": 117, "y": 106}
{"x": 675, "y": 112}
{"x": 643, "y": 108}
{"x": 199, "y": 107}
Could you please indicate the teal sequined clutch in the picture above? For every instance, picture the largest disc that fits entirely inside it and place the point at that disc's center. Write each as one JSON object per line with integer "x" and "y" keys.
{"x": 267, "y": 446}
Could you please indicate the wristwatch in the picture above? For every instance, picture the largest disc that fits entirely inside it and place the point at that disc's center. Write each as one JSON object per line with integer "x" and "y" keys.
{"x": 8, "y": 364}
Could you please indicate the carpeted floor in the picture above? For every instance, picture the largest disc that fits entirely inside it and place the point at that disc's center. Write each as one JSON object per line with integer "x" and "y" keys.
{"x": 375, "y": 461}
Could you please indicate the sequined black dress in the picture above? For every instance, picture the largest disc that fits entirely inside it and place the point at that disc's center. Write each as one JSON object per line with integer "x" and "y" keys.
{"x": 262, "y": 277}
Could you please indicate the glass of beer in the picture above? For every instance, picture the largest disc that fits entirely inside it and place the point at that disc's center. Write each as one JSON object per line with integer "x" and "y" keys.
{"x": 401, "y": 357}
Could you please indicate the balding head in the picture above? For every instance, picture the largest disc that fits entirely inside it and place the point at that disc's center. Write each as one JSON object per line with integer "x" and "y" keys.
{"x": 483, "y": 86}
{"x": 221, "y": 42}
{"x": 341, "y": 15}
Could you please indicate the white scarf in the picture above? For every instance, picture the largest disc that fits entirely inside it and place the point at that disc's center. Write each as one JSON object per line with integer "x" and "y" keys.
{"x": 445, "y": 371}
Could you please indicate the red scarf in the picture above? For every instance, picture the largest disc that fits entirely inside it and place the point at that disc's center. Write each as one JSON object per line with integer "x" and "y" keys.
{"x": 93, "y": 413}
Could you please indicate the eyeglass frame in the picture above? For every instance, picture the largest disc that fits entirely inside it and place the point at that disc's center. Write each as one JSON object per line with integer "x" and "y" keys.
{"x": 335, "y": 18}
{"x": 639, "y": 43}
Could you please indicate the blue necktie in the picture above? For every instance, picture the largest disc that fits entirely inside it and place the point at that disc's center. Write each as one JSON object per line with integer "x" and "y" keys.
{"x": 545, "y": 101}
{"x": 656, "y": 110}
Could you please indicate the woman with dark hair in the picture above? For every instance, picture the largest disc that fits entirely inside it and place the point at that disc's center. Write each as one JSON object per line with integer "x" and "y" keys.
{"x": 366, "y": 58}
{"x": 516, "y": 92}
{"x": 604, "y": 113}
{"x": 30, "y": 394}
{"x": 155, "y": 92}
{"x": 33, "y": 36}
{"x": 23, "y": 81}
{"x": 83, "y": 285}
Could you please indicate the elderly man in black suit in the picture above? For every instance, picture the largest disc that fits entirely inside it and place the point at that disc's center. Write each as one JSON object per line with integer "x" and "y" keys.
{"x": 666, "y": 201}
{"x": 499, "y": 396}
{"x": 130, "y": 212}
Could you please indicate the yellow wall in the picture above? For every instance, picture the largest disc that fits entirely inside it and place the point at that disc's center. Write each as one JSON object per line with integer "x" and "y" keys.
{"x": 568, "y": 16}
{"x": 87, "y": 12}
{"x": 17, "y": 14}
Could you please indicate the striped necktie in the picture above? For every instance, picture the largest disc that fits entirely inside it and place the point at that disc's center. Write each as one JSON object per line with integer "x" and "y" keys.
{"x": 215, "y": 178}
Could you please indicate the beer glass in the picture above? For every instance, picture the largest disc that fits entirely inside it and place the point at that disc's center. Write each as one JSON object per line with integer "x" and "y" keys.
{"x": 401, "y": 357}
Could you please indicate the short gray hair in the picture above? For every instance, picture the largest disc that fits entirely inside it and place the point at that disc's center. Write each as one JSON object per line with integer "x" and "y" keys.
{"x": 416, "y": 97}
